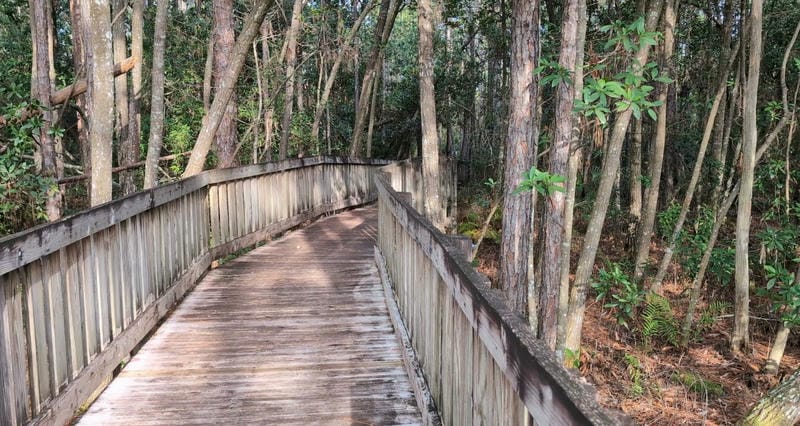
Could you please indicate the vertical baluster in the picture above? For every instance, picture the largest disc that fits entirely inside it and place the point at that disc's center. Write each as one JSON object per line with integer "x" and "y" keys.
{"x": 56, "y": 317}
{"x": 14, "y": 362}
{"x": 89, "y": 296}
{"x": 35, "y": 325}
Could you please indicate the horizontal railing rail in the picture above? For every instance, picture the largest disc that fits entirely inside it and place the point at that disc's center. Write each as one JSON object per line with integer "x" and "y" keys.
{"x": 78, "y": 295}
{"x": 481, "y": 362}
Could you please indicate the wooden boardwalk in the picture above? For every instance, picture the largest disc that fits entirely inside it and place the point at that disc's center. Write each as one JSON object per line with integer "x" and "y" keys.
{"x": 296, "y": 331}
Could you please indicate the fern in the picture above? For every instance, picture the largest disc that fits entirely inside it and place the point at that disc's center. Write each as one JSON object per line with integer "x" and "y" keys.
{"x": 635, "y": 374}
{"x": 659, "y": 321}
{"x": 709, "y": 316}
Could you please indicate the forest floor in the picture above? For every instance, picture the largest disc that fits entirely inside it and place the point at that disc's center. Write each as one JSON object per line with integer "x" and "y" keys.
{"x": 658, "y": 383}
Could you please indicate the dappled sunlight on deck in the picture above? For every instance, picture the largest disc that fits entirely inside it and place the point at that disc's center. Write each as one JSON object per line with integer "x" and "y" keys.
{"x": 296, "y": 331}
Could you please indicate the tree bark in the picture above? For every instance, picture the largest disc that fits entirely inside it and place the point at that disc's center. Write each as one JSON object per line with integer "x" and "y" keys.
{"x": 269, "y": 111}
{"x": 564, "y": 121}
{"x": 291, "y": 65}
{"x": 79, "y": 63}
{"x": 225, "y": 90}
{"x": 135, "y": 110}
{"x": 657, "y": 149}
{"x": 594, "y": 230}
{"x": 636, "y": 171}
{"x": 383, "y": 29}
{"x": 41, "y": 86}
{"x": 427, "y": 106}
{"x": 690, "y": 190}
{"x": 100, "y": 100}
{"x": 226, "y": 138}
{"x": 326, "y": 92}
{"x": 571, "y": 183}
{"x": 781, "y": 405}
{"x": 740, "y": 338}
{"x": 122, "y": 123}
{"x": 515, "y": 244}
{"x": 157, "y": 97}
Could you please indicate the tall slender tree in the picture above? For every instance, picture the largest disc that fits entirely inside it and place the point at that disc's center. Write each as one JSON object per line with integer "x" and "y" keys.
{"x": 611, "y": 162}
{"x": 515, "y": 244}
{"x": 41, "y": 86}
{"x": 740, "y": 338}
{"x": 157, "y": 96}
{"x": 427, "y": 107}
{"x": 227, "y": 136}
{"x": 100, "y": 100}
{"x": 558, "y": 165}
{"x": 291, "y": 67}
{"x": 225, "y": 91}
{"x": 119, "y": 43}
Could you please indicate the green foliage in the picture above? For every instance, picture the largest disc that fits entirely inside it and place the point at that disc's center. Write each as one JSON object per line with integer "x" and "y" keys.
{"x": 554, "y": 73}
{"x": 630, "y": 37}
{"x": 572, "y": 358}
{"x": 619, "y": 293}
{"x": 23, "y": 192}
{"x": 635, "y": 374}
{"x": 658, "y": 321}
{"x": 711, "y": 313}
{"x": 698, "y": 384}
{"x": 784, "y": 291}
{"x": 542, "y": 182}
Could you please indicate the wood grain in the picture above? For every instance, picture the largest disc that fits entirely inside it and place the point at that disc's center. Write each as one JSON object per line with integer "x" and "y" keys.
{"x": 457, "y": 323}
{"x": 296, "y": 331}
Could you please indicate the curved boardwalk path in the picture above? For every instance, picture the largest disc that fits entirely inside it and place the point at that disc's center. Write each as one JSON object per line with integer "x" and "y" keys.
{"x": 296, "y": 331}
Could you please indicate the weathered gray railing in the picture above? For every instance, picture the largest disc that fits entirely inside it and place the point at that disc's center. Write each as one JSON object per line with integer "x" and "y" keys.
{"x": 481, "y": 362}
{"x": 78, "y": 295}
{"x": 406, "y": 176}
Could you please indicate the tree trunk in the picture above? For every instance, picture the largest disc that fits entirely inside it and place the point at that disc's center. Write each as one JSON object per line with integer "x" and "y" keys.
{"x": 41, "y": 87}
{"x": 427, "y": 106}
{"x": 269, "y": 112}
{"x": 291, "y": 64}
{"x": 740, "y": 338}
{"x": 383, "y": 29}
{"x": 571, "y": 183}
{"x": 121, "y": 123}
{"x": 326, "y": 92}
{"x": 657, "y": 149}
{"x": 156, "y": 138}
{"x": 559, "y": 158}
{"x": 100, "y": 100}
{"x": 781, "y": 405}
{"x": 133, "y": 151}
{"x": 226, "y": 138}
{"x": 516, "y": 238}
{"x": 777, "y": 349}
{"x": 79, "y": 63}
{"x": 225, "y": 90}
{"x": 373, "y": 105}
{"x": 595, "y": 228}
{"x": 636, "y": 171}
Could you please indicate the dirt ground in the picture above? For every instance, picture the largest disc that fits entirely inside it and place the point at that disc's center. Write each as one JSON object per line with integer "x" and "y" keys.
{"x": 702, "y": 384}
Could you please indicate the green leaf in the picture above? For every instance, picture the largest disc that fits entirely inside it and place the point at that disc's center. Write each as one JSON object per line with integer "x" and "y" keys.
{"x": 652, "y": 113}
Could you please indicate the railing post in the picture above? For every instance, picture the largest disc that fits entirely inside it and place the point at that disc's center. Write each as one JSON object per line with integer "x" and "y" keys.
{"x": 463, "y": 243}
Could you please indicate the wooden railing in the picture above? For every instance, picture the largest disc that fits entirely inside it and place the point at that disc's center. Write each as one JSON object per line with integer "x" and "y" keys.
{"x": 406, "y": 176}
{"x": 480, "y": 361}
{"x": 78, "y": 295}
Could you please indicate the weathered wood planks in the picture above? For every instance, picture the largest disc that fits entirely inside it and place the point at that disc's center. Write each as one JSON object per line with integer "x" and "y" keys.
{"x": 294, "y": 332}
{"x": 79, "y": 294}
{"x": 481, "y": 362}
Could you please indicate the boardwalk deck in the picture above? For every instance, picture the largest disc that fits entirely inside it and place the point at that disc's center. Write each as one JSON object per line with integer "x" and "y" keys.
{"x": 296, "y": 331}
